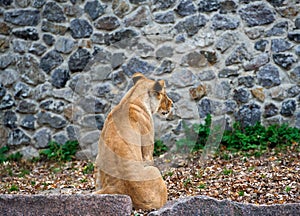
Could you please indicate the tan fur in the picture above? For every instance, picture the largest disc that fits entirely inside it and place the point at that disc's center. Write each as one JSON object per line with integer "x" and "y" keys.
{"x": 125, "y": 148}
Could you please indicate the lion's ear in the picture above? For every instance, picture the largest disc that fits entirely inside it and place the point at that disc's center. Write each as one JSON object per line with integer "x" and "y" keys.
{"x": 136, "y": 77}
{"x": 158, "y": 86}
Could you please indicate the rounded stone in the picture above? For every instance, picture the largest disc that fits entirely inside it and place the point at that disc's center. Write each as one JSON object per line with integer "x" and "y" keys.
{"x": 268, "y": 76}
{"x": 60, "y": 77}
{"x": 64, "y": 45}
{"x": 80, "y": 28}
{"x": 284, "y": 60}
{"x": 107, "y": 23}
{"x": 21, "y": 90}
{"x": 270, "y": 110}
{"x": 209, "y": 5}
{"x": 48, "y": 39}
{"x": 28, "y": 122}
{"x": 10, "y": 119}
{"x": 185, "y": 8}
{"x": 248, "y": 115}
{"x": 94, "y": 9}
{"x": 288, "y": 108}
{"x": 79, "y": 60}
{"x": 42, "y": 138}
{"x": 241, "y": 95}
{"x": 18, "y": 137}
{"x": 7, "y": 102}
{"x": 53, "y": 12}
{"x": 224, "y": 22}
{"x": 50, "y": 61}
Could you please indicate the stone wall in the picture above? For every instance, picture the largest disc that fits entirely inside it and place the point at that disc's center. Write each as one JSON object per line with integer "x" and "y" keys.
{"x": 65, "y": 64}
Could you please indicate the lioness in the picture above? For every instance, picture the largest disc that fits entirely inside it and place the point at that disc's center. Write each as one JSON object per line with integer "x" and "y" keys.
{"x": 125, "y": 148}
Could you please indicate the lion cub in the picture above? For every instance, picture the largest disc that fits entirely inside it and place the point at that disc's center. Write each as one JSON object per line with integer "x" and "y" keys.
{"x": 125, "y": 148}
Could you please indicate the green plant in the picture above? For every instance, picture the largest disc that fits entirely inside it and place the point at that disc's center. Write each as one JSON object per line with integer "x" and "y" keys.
{"x": 195, "y": 137}
{"x": 241, "y": 193}
{"x": 13, "y": 188}
{"x": 227, "y": 171}
{"x": 201, "y": 186}
{"x": 159, "y": 148}
{"x": 12, "y": 157}
{"x": 288, "y": 189}
{"x": 89, "y": 168}
{"x": 65, "y": 152}
{"x": 187, "y": 181}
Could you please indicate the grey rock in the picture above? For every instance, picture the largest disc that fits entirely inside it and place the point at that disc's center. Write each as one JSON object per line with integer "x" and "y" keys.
{"x": 225, "y": 41}
{"x": 38, "y": 3}
{"x": 165, "y": 17}
{"x": 167, "y": 66}
{"x": 254, "y": 33}
{"x": 21, "y": 90}
{"x": 119, "y": 36}
{"x": 284, "y": 60}
{"x": 23, "y": 17}
{"x": 209, "y": 5}
{"x": 241, "y": 95}
{"x": 79, "y": 60}
{"x": 60, "y": 138}
{"x": 137, "y": 65}
{"x": 278, "y": 29}
{"x": 297, "y": 51}
{"x": 294, "y": 36}
{"x": 247, "y": 81}
{"x": 28, "y": 68}
{"x": 297, "y": 123}
{"x": 227, "y": 72}
{"x": 204, "y": 107}
{"x": 186, "y": 8}
{"x": 175, "y": 97}
{"x": 224, "y": 22}
{"x": 52, "y": 120}
{"x": 41, "y": 138}
{"x": 54, "y": 28}
{"x": 37, "y": 49}
{"x": 42, "y": 91}
{"x": 22, "y": 3}
{"x": 206, "y": 75}
{"x": 194, "y": 59}
{"x": 80, "y": 84}
{"x": 27, "y": 33}
{"x": 268, "y": 76}
{"x": 92, "y": 122}
{"x": 10, "y": 119}
{"x": 53, "y": 12}
{"x": 73, "y": 132}
{"x": 65, "y": 93}
{"x": 288, "y": 108}
{"x": 80, "y": 28}
{"x": 270, "y": 110}
{"x": 27, "y": 106}
{"x": 228, "y": 6}
{"x": 164, "y": 52}
{"x": 276, "y": 3}
{"x": 5, "y": 61}
{"x": 102, "y": 90}
{"x": 191, "y": 25}
{"x": 248, "y": 115}
{"x": 212, "y": 206}
{"x": 293, "y": 91}
{"x": 48, "y": 39}
{"x": 238, "y": 55}
{"x": 60, "y": 77}
{"x": 78, "y": 204}
{"x": 18, "y": 137}
{"x": 137, "y": 1}
{"x": 8, "y": 77}
{"x": 6, "y": 3}
{"x": 257, "y": 14}
{"x": 28, "y": 152}
{"x": 139, "y": 18}
{"x": 64, "y": 45}
{"x": 280, "y": 45}
{"x": 118, "y": 78}
{"x": 121, "y": 7}
{"x": 7, "y": 102}
{"x": 73, "y": 10}
{"x": 108, "y": 23}
{"x": 256, "y": 62}
{"x": 50, "y": 61}
{"x": 261, "y": 45}
{"x": 2, "y": 91}
{"x": 295, "y": 74}
{"x": 28, "y": 122}
{"x": 117, "y": 59}
{"x": 56, "y": 106}
{"x": 182, "y": 77}
{"x": 93, "y": 105}
{"x": 94, "y": 9}
{"x": 297, "y": 23}
{"x": 21, "y": 46}
{"x": 230, "y": 106}
{"x": 102, "y": 55}
{"x": 164, "y": 4}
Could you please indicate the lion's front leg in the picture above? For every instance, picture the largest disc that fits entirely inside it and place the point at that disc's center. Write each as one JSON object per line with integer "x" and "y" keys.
{"x": 147, "y": 153}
